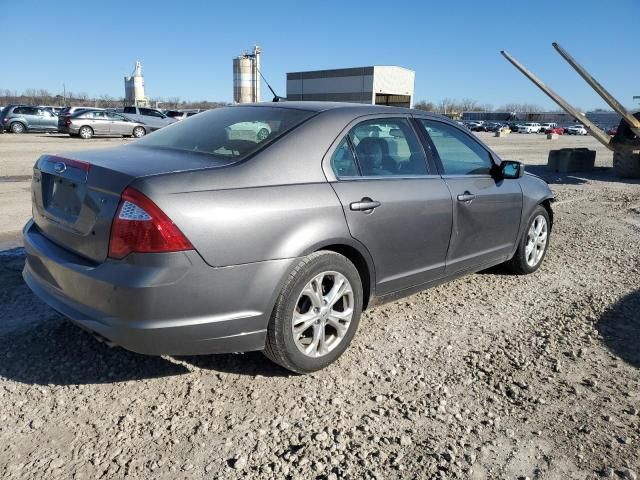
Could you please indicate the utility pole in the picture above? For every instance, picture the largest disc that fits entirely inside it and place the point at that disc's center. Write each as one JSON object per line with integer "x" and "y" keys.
{"x": 64, "y": 95}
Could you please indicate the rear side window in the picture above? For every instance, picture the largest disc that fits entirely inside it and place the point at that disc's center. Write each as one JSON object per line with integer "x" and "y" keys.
{"x": 25, "y": 111}
{"x": 130, "y": 110}
{"x": 459, "y": 153}
{"x": 388, "y": 147}
{"x": 231, "y": 133}
{"x": 342, "y": 161}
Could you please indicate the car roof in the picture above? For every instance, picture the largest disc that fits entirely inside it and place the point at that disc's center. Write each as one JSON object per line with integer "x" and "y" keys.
{"x": 357, "y": 109}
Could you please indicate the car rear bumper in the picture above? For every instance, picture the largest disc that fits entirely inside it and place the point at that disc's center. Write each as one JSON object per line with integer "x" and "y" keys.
{"x": 172, "y": 303}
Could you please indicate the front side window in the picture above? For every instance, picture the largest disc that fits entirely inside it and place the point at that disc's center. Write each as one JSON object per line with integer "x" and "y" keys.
{"x": 459, "y": 153}
{"x": 130, "y": 110}
{"x": 230, "y": 133}
{"x": 388, "y": 147}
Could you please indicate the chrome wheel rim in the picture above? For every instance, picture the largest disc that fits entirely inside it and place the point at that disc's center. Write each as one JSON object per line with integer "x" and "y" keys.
{"x": 138, "y": 132}
{"x": 322, "y": 314}
{"x": 536, "y": 241}
{"x": 17, "y": 128}
{"x": 85, "y": 132}
{"x": 262, "y": 134}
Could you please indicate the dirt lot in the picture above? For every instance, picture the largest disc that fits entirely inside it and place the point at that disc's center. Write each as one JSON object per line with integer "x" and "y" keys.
{"x": 490, "y": 376}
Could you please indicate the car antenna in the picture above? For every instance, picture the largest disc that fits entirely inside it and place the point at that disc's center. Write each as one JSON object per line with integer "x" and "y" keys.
{"x": 276, "y": 98}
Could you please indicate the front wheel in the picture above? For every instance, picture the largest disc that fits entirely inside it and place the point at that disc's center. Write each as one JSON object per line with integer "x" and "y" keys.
{"x": 139, "y": 132}
{"x": 316, "y": 314}
{"x": 533, "y": 245}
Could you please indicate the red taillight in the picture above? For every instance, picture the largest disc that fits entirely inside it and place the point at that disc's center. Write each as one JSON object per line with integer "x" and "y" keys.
{"x": 140, "y": 226}
{"x": 67, "y": 121}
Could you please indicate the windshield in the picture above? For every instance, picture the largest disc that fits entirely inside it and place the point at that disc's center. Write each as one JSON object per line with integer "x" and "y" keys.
{"x": 230, "y": 133}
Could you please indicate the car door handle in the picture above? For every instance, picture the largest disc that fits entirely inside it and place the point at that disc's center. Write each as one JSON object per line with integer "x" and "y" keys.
{"x": 366, "y": 204}
{"x": 466, "y": 197}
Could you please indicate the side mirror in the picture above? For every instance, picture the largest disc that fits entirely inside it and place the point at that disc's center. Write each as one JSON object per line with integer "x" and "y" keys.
{"x": 511, "y": 169}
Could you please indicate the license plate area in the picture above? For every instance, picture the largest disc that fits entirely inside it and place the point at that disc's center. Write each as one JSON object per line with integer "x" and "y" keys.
{"x": 63, "y": 188}
{"x": 62, "y": 197}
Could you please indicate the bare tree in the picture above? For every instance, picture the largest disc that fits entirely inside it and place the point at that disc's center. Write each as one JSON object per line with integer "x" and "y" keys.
{"x": 426, "y": 106}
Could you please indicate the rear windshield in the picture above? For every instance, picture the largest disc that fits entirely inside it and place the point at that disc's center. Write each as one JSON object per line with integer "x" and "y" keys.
{"x": 230, "y": 133}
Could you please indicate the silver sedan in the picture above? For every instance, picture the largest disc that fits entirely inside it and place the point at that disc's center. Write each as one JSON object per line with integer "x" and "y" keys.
{"x": 88, "y": 123}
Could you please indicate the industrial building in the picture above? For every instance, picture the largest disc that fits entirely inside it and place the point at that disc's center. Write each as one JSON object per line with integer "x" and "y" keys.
{"x": 379, "y": 85}
{"x": 246, "y": 77}
{"x": 134, "y": 88}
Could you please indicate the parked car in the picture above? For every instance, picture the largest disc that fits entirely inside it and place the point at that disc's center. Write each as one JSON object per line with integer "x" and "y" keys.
{"x": 25, "y": 118}
{"x": 557, "y": 130}
{"x": 87, "y": 123}
{"x": 254, "y": 130}
{"x": 529, "y": 127}
{"x": 547, "y": 125}
{"x": 181, "y": 114}
{"x": 494, "y": 126}
{"x": 154, "y": 119}
{"x": 576, "y": 130}
{"x": 188, "y": 241}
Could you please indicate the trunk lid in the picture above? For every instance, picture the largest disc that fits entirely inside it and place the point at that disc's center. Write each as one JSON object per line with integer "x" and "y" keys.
{"x": 75, "y": 196}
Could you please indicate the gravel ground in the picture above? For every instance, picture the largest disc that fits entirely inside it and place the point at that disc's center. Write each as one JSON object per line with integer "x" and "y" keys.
{"x": 489, "y": 376}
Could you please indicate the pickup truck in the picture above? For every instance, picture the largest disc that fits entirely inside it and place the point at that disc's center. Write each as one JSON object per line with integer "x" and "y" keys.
{"x": 154, "y": 119}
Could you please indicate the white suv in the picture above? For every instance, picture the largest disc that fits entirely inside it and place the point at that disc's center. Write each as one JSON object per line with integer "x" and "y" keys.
{"x": 529, "y": 127}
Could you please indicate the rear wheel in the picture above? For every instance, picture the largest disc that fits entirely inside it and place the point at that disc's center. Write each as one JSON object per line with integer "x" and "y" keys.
{"x": 17, "y": 127}
{"x": 86, "y": 132}
{"x": 533, "y": 245}
{"x": 139, "y": 132}
{"x": 316, "y": 314}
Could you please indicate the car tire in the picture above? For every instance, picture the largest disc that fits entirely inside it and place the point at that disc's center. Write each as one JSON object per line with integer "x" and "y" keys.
{"x": 304, "y": 303}
{"x": 531, "y": 249}
{"x": 139, "y": 132}
{"x": 85, "y": 132}
{"x": 18, "y": 127}
{"x": 262, "y": 134}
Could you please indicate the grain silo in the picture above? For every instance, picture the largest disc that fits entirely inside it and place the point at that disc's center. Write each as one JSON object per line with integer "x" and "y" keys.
{"x": 134, "y": 87}
{"x": 246, "y": 77}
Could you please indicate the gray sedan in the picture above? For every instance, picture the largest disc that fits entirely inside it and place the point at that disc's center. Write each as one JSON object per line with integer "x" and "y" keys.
{"x": 88, "y": 123}
{"x": 194, "y": 241}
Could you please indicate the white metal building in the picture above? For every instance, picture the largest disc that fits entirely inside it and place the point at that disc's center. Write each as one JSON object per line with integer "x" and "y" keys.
{"x": 380, "y": 85}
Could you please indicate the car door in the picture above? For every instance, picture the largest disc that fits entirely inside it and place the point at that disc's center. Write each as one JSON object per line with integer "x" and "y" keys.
{"x": 33, "y": 117}
{"x": 119, "y": 125}
{"x": 49, "y": 121}
{"x": 486, "y": 209}
{"x": 153, "y": 118}
{"x": 394, "y": 201}
{"x": 100, "y": 123}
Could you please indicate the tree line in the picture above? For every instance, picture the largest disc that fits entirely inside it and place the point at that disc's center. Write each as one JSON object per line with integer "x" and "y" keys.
{"x": 40, "y": 96}
{"x": 450, "y": 105}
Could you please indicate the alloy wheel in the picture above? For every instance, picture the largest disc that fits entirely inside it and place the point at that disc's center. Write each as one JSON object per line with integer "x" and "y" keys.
{"x": 536, "y": 240}
{"x": 85, "y": 132}
{"x": 322, "y": 314}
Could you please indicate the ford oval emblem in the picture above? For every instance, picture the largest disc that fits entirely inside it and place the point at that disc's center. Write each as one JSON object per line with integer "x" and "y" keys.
{"x": 59, "y": 167}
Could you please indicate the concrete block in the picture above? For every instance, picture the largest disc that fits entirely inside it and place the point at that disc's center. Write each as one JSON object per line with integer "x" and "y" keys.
{"x": 572, "y": 160}
{"x": 552, "y": 136}
{"x": 502, "y": 133}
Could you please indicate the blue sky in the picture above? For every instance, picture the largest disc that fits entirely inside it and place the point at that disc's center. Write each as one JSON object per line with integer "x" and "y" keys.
{"x": 187, "y": 47}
